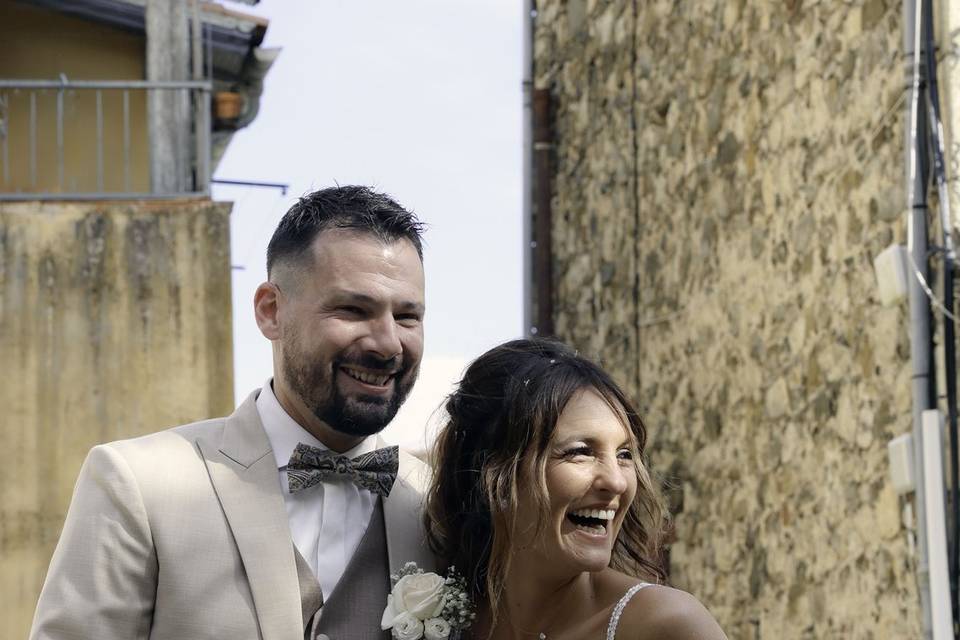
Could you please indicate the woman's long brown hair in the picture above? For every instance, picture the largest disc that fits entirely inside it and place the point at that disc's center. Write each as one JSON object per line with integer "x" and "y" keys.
{"x": 500, "y": 422}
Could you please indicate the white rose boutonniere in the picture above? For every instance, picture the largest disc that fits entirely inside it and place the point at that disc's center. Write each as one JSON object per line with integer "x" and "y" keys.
{"x": 420, "y": 594}
{"x": 436, "y": 629}
{"x": 426, "y": 605}
{"x": 407, "y": 627}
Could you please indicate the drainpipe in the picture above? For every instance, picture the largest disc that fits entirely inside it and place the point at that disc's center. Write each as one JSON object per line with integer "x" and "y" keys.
{"x": 542, "y": 177}
{"x": 921, "y": 348}
{"x": 538, "y": 143}
{"x": 529, "y": 11}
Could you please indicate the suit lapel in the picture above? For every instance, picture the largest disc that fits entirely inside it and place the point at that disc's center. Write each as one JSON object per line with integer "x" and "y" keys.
{"x": 403, "y": 517}
{"x": 244, "y": 474}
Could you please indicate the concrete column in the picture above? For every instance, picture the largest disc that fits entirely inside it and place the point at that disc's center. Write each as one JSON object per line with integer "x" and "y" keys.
{"x": 168, "y": 58}
{"x": 114, "y": 322}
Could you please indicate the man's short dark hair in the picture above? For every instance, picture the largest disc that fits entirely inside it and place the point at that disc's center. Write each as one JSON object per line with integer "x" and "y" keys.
{"x": 347, "y": 207}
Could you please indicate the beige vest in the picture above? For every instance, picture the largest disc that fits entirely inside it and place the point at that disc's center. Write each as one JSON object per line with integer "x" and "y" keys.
{"x": 354, "y": 609}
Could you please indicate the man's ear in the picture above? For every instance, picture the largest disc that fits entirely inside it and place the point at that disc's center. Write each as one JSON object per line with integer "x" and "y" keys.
{"x": 266, "y": 305}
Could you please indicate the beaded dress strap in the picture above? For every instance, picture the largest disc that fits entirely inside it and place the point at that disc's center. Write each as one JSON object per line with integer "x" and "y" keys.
{"x": 618, "y": 610}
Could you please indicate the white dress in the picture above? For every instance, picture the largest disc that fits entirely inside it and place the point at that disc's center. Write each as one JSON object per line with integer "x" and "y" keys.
{"x": 618, "y": 609}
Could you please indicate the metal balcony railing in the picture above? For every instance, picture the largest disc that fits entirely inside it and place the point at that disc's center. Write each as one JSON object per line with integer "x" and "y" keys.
{"x": 88, "y": 140}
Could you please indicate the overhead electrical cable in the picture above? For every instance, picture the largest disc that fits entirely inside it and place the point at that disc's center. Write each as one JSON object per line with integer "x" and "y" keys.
{"x": 948, "y": 270}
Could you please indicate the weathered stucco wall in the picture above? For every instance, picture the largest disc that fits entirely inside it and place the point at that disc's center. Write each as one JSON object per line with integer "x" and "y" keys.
{"x": 114, "y": 322}
{"x": 726, "y": 172}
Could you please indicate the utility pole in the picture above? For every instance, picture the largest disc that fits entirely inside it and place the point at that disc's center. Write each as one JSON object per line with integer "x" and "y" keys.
{"x": 168, "y": 110}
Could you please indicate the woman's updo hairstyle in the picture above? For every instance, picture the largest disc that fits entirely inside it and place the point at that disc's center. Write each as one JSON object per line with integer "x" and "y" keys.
{"x": 494, "y": 445}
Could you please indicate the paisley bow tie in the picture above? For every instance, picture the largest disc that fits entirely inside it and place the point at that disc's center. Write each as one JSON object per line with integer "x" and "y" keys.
{"x": 375, "y": 471}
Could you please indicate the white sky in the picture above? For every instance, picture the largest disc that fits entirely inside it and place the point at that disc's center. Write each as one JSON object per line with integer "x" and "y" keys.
{"x": 421, "y": 99}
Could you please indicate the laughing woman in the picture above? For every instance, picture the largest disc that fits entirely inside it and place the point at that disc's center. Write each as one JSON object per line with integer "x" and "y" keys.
{"x": 542, "y": 501}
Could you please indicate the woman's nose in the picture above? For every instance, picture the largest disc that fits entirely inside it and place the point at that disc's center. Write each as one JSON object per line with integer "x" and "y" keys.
{"x": 611, "y": 476}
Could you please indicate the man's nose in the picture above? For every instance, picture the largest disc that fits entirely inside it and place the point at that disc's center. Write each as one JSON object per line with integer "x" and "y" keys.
{"x": 383, "y": 338}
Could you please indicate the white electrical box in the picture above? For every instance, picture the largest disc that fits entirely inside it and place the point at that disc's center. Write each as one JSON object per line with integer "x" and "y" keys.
{"x": 892, "y": 269}
{"x": 900, "y": 451}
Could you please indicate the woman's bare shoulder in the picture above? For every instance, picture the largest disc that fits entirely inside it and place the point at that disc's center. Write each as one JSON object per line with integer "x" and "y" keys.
{"x": 663, "y": 613}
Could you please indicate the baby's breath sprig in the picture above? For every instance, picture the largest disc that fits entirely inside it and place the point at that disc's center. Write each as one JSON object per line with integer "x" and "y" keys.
{"x": 408, "y": 569}
{"x": 457, "y": 608}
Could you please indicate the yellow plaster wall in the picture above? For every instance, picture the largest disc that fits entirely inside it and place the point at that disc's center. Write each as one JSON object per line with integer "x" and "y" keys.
{"x": 115, "y": 321}
{"x": 41, "y": 44}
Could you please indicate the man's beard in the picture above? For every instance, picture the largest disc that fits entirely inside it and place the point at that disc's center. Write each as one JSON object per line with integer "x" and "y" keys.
{"x": 358, "y": 415}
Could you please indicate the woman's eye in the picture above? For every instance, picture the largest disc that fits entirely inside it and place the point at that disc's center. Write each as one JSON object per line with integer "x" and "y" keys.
{"x": 625, "y": 454}
{"x": 577, "y": 451}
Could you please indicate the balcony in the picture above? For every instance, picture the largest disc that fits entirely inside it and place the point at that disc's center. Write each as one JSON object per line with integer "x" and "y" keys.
{"x": 89, "y": 140}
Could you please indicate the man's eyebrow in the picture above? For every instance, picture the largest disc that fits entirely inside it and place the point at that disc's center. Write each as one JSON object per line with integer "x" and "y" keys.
{"x": 344, "y": 295}
{"x": 340, "y": 295}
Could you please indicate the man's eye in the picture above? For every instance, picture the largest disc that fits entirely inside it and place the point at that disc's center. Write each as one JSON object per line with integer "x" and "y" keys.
{"x": 351, "y": 310}
{"x": 408, "y": 318}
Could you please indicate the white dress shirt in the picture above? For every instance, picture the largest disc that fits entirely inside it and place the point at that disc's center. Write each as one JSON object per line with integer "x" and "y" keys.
{"x": 328, "y": 520}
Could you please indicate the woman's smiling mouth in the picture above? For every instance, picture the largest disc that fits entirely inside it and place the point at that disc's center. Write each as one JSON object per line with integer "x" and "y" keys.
{"x": 592, "y": 521}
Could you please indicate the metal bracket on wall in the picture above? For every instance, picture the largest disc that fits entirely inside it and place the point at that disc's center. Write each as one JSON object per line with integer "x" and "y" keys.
{"x": 251, "y": 183}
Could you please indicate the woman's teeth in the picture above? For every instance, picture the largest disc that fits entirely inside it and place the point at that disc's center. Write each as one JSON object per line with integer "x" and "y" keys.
{"x": 369, "y": 378}
{"x": 591, "y": 520}
{"x": 596, "y": 514}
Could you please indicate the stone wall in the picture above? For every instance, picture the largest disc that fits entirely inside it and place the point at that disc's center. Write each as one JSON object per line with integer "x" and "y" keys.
{"x": 725, "y": 173}
{"x": 115, "y": 321}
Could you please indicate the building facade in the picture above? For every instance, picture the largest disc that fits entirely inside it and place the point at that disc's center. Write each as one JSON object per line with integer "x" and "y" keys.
{"x": 723, "y": 175}
{"x": 115, "y": 307}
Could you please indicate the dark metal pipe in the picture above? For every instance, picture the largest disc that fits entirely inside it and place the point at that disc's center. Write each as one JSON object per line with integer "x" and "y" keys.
{"x": 542, "y": 214}
{"x": 529, "y": 24}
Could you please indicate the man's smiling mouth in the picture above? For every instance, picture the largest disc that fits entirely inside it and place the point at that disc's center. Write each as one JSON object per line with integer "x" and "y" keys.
{"x": 375, "y": 379}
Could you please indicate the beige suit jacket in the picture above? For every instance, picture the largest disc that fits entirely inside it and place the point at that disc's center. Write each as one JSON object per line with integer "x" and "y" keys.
{"x": 183, "y": 534}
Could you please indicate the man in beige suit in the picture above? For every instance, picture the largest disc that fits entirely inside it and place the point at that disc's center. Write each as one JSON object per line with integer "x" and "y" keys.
{"x": 285, "y": 519}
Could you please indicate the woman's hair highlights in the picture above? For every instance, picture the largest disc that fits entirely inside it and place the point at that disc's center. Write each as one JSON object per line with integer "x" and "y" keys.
{"x": 500, "y": 421}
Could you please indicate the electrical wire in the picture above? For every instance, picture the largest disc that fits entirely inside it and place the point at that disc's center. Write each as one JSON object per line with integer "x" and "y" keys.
{"x": 934, "y": 300}
{"x": 936, "y": 132}
{"x": 921, "y": 347}
{"x": 949, "y": 338}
